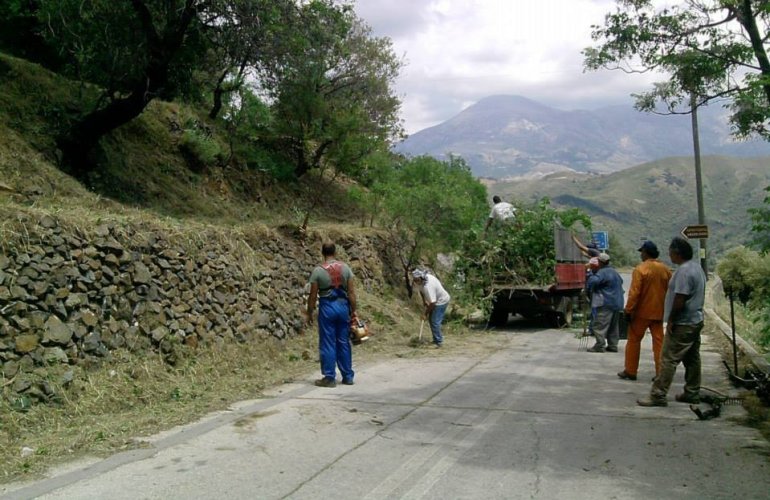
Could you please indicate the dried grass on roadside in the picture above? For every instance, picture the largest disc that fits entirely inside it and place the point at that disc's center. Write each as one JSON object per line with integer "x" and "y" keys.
{"x": 112, "y": 406}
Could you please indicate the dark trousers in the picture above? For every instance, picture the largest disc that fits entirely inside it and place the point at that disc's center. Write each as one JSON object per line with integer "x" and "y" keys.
{"x": 681, "y": 345}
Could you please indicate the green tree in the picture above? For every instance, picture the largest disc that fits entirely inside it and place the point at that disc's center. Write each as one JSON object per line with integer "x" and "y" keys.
{"x": 136, "y": 51}
{"x": 331, "y": 82}
{"x": 709, "y": 48}
{"x": 250, "y": 35}
{"x": 745, "y": 275}
{"x": 760, "y": 218}
{"x": 430, "y": 205}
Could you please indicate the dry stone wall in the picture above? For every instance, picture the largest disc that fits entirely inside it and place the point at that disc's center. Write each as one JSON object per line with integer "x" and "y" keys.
{"x": 67, "y": 298}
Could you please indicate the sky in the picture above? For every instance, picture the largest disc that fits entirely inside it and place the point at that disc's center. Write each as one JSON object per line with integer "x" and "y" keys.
{"x": 457, "y": 52}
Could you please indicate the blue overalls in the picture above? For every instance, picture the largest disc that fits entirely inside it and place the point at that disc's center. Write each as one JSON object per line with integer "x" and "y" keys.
{"x": 334, "y": 335}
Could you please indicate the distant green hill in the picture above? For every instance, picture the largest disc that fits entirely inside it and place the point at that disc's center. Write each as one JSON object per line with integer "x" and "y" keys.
{"x": 657, "y": 199}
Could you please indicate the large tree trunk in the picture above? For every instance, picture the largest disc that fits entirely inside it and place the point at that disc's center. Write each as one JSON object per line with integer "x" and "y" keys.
{"x": 77, "y": 143}
{"x": 747, "y": 18}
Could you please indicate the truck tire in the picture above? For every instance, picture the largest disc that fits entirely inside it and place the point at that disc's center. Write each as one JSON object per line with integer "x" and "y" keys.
{"x": 562, "y": 317}
{"x": 499, "y": 317}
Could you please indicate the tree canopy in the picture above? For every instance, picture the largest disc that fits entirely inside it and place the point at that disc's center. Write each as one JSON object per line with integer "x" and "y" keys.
{"x": 430, "y": 206}
{"x": 709, "y": 48}
{"x": 325, "y": 80}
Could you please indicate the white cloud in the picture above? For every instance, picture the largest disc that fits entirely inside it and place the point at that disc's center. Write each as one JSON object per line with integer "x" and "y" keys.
{"x": 459, "y": 51}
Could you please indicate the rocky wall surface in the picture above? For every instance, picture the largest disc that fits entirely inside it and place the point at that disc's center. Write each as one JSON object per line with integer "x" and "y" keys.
{"x": 67, "y": 298}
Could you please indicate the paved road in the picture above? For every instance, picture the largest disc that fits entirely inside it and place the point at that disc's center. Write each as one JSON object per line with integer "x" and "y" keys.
{"x": 537, "y": 420}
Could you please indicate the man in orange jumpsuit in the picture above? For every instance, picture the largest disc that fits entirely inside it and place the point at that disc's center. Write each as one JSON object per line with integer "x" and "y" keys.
{"x": 644, "y": 308}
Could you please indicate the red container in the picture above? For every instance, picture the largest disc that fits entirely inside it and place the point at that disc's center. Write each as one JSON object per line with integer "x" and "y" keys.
{"x": 570, "y": 276}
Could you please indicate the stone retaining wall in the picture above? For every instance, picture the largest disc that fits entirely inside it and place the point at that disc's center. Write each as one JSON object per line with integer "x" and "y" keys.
{"x": 67, "y": 298}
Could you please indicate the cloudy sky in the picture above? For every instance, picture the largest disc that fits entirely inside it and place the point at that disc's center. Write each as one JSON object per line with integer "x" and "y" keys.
{"x": 459, "y": 51}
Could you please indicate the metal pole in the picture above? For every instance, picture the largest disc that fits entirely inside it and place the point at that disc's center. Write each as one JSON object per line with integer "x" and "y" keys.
{"x": 698, "y": 179}
{"x": 732, "y": 323}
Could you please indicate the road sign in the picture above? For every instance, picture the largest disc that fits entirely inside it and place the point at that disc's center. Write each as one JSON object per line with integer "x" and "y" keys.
{"x": 696, "y": 232}
{"x": 601, "y": 239}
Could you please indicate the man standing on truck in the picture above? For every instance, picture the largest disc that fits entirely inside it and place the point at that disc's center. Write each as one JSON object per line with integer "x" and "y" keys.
{"x": 606, "y": 289}
{"x": 502, "y": 211}
{"x": 435, "y": 299}
{"x": 644, "y": 308}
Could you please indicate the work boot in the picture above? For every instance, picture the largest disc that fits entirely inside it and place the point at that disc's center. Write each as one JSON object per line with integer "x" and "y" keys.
{"x": 687, "y": 398}
{"x": 595, "y": 349}
{"x": 347, "y": 381}
{"x": 652, "y": 401}
{"x": 626, "y": 376}
{"x": 326, "y": 382}
{"x": 612, "y": 348}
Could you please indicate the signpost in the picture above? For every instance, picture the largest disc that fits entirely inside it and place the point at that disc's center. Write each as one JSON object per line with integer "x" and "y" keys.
{"x": 601, "y": 239}
{"x": 696, "y": 232}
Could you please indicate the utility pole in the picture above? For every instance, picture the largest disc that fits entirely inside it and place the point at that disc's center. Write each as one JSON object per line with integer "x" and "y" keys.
{"x": 698, "y": 178}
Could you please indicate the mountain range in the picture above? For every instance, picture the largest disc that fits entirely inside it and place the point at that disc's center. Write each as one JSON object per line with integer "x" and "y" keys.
{"x": 511, "y": 136}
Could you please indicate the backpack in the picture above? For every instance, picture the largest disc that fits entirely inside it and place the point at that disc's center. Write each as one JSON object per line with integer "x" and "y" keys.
{"x": 335, "y": 273}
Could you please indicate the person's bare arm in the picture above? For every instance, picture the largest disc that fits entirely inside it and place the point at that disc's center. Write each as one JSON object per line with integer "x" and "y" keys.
{"x": 352, "y": 297}
{"x": 580, "y": 245}
{"x": 311, "y": 300}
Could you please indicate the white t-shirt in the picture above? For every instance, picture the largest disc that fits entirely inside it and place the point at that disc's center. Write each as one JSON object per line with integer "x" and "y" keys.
{"x": 432, "y": 291}
{"x": 502, "y": 211}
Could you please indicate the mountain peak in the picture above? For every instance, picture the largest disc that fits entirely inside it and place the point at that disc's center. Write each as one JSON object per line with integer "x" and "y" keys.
{"x": 510, "y": 135}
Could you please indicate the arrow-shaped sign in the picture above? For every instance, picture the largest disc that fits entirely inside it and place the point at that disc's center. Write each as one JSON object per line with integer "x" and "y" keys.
{"x": 696, "y": 232}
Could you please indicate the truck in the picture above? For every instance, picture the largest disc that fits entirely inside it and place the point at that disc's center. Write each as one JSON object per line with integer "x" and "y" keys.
{"x": 554, "y": 302}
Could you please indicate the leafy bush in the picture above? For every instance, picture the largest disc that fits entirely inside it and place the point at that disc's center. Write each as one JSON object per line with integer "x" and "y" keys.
{"x": 746, "y": 274}
{"x": 200, "y": 149}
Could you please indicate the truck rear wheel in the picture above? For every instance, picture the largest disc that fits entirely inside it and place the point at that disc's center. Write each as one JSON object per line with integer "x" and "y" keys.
{"x": 562, "y": 317}
{"x": 499, "y": 317}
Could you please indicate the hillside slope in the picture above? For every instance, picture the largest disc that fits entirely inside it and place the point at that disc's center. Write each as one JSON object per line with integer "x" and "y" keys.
{"x": 657, "y": 199}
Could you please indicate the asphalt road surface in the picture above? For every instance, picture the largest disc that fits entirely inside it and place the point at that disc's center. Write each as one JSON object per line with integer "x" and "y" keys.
{"x": 539, "y": 419}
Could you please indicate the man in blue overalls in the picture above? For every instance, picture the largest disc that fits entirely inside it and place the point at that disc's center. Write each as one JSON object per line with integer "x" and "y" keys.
{"x": 332, "y": 284}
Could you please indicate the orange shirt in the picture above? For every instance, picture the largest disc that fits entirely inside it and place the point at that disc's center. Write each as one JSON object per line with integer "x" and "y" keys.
{"x": 649, "y": 283}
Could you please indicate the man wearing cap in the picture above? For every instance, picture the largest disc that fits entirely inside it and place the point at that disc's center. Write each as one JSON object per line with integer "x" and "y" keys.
{"x": 683, "y": 314}
{"x": 606, "y": 289}
{"x": 435, "y": 299}
{"x": 644, "y": 308}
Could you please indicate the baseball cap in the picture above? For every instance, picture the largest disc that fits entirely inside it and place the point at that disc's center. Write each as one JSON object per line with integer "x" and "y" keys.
{"x": 419, "y": 274}
{"x": 603, "y": 257}
{"x": 648, "y": 246}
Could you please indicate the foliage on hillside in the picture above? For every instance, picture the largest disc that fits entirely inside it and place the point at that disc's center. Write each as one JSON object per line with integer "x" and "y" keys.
{"x": 299, "y": 85}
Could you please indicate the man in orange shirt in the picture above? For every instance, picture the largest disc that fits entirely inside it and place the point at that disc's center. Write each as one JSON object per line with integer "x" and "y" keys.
{"x": 644, "y": 308}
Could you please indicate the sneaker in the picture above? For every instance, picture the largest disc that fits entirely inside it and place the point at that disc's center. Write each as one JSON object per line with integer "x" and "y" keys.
{"x": 347, "y": 381}
{"x": 686, "y": 398}
{"x": 595, "y": 349}
{"x": 651, "y": 401}
{"x": 626, "y": 376}
{"x": 326, "y": 382}
{"x": 612, "y": 349}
